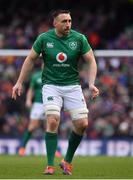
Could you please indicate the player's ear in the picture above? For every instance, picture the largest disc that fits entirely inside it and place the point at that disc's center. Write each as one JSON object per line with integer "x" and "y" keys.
{"x": 54, "y": 23}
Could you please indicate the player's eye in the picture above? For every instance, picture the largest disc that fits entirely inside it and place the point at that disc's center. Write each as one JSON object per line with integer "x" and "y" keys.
{"x": 65, "y": 21}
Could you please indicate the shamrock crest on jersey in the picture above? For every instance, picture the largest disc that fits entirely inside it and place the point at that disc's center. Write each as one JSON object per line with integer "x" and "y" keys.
{"x": 73, "y": 45}
{"x": 61, "y": 57}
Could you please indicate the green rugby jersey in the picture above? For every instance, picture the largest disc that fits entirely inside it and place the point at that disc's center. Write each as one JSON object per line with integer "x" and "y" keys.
{"x": 61, "y": 56}
{"x": 36, "y": 85}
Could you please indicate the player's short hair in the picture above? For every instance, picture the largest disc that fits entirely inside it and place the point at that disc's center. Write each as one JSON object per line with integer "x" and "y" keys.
{"x": 58, "y": 12}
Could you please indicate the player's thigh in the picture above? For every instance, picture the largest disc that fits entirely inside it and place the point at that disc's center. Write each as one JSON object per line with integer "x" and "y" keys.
{"x": 74, "y": 98}
{"x": 52, "y": 99}
{"x": 74, "y": 102}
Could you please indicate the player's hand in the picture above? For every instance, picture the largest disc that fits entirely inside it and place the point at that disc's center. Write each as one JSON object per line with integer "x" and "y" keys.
{"x": 94, "y": 91}
{"x": 16, "y": 90}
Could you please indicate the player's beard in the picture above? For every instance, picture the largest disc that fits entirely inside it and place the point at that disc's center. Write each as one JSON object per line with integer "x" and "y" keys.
{"x": 66, "y": 31}
{"x": 63, "y": 32}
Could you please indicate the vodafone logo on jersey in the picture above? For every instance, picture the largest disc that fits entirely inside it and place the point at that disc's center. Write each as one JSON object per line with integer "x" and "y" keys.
{"x": 61, "y": 57}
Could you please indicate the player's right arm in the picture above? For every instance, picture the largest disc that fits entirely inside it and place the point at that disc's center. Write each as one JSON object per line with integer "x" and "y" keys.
{"x": 26, "y": 68}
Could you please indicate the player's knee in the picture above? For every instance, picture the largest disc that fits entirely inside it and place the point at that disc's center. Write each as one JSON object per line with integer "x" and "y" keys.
{"x": 31, "y": 128}
{"x": 81, "y": 113}
{"x": 33, "y": 125}
{"x": 81, "y": 126}
{"x": 52, "y": 110}
{"x": 52, "y": 123}
{"x": 84, "y": 125}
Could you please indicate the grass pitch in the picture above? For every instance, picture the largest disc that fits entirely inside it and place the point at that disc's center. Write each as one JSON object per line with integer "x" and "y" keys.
{"x": 31, "y": 167}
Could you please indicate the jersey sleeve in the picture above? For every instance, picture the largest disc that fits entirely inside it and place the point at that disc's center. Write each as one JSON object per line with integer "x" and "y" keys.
{"x": 85, "y": 45}
{"x": 37, "y": 46}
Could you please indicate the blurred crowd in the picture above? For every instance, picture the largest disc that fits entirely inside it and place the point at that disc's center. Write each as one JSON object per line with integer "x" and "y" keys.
{"x": 107, "y": 25}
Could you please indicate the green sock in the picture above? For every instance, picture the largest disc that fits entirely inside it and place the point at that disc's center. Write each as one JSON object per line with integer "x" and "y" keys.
{"x": 74, "y": 141}
{"x": 26, "y": 137}
{"x": 51, "y": 145}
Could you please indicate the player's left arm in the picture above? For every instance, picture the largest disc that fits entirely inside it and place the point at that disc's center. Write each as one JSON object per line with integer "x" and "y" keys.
{"x": 90, "y": 59}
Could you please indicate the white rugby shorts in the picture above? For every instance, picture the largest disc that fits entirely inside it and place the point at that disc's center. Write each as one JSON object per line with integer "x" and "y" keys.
{"x": 69, "y": 97}
{"x": 37, "y": 111}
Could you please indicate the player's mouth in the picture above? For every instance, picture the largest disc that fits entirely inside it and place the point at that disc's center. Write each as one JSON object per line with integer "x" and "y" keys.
{"x": 67, "y": 30}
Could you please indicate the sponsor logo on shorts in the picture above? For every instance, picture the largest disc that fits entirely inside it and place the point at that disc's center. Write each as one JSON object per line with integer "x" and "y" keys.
{"x": 50, "y": 98}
